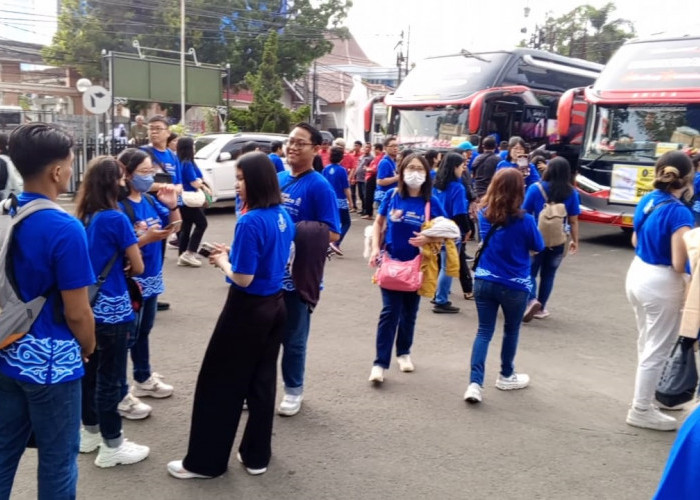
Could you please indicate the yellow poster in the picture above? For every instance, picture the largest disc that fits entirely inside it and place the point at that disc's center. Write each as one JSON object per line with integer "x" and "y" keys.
{"x": 630, "y": 182}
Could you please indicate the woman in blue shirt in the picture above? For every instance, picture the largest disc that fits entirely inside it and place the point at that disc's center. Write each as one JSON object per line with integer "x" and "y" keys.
{"x": 109, "y": 234}
{"x": 655, "y": 285}
{"x": 149, "y": 217}
{"x": 451, "y": 193}
{"x": 191, "y": 216}
{"x": 241, "y": 360}
{"x": 502, "y": 278}
{"x": 337, "y": 176}
{"x": 400, "y": 217}
{"x": 557, "y": 185}
{"x": 517, "y": 157}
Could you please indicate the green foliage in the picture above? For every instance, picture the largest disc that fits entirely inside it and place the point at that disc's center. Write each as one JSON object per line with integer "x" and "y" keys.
{"x": 302, "y": 114}
{"x": 232, "y": 31}
{"x": 585, "y": 32}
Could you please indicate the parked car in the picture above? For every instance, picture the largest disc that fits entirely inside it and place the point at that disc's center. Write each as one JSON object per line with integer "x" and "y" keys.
{"x": 216, "y": 155}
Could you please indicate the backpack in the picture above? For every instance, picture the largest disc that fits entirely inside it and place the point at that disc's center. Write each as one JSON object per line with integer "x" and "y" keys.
{"x": 10, "y": 180}
{"x": 551, "y": 221}
{"x": 16, "y": 315}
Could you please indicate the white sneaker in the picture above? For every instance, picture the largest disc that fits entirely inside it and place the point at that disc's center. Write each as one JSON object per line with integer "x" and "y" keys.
{"x": 154, "y": 387}
{"x": 252, "y": 472}
{"x": 377, "y": 374}
{"x": 405, "y": 364}
{"x": 176, "y": 469}
{"x": 89, "y": 441}
{"x": 187, "y": 259}
{"x": 290, "y": 405}
{"x": 473, "y": 393}
{"x": 651, "y": 418}
{"x": 515, "y": 381}
{"x": 127, "y": 453}
{"x": 132, "y": 408}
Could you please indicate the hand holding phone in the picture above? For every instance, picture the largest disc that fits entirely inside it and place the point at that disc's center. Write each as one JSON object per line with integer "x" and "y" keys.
{"x": 206, "y": 249}
{"x": 173, "y": 226}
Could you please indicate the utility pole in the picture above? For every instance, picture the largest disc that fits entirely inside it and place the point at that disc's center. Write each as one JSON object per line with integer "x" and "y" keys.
{"x": 183, "y": 90}
{"x": 399, "y": 57}
{"x": 408, "y": 48}
{"x": 314, "y": 97}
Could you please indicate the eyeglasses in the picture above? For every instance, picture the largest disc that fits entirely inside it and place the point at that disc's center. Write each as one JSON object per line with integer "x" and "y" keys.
{"x": 297, "y": 143}
{"x": 414, "y": 168}
{"x": 156, "y": 129}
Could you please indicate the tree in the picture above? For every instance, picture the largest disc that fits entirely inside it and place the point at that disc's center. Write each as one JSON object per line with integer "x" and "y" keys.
{"x": 220, "y": 31}
{"x": 585, "y": 32}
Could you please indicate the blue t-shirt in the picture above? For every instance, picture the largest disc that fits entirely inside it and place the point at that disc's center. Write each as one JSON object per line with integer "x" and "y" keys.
{"x": 534, "y": 201}
{"x": 453, "y": 199}
{"x": 309, "y": 198}
{"x": 337, "y": 176}
{"x": 110, "y": 231}
{"x": 190, "y": 173}
{"x": 403, "y": 217}
{"x": 654, "y": 237}
{"x": 168, "y": 161}
{"x": 386, "y": 168}
{"x": 50, "y": 253}
{"x": 680, "y": 479}
{"x": 147, "y": 215}
{"x": 696, "y": 202}
{"x": 506, "y": 259}
{"x": 277, "y": 162}
{"x": 533, "y": 176}
{"x": 261, "y": 245}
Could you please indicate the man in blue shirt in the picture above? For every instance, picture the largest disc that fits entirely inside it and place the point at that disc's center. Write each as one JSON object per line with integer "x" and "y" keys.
{"x": 40, "y": 388}
{"x": 164, "y": 160}
{"x": 276, "y": 151}
{"x": 306, "y": 196}
{"x": 387, "y": 177}
{"x": 337, "y": 176}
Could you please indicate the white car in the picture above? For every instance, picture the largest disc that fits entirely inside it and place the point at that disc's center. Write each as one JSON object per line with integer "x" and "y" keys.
{"x": 216, "y": 156}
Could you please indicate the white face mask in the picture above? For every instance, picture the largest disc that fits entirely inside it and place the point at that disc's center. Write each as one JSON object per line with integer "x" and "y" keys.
{"x": 414, "y": 179}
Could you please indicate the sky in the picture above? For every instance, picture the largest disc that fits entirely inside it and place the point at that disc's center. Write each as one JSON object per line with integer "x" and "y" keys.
{"x": 445, "y": 26}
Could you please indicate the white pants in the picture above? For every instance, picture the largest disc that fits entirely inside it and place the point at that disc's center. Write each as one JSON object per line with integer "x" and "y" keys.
{"x": 657, "y": 295}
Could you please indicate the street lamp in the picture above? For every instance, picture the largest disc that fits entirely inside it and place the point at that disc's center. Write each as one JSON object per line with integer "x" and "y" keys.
{"x": 82, "y": 86}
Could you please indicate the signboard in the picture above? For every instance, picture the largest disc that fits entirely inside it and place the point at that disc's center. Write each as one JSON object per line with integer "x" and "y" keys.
{"x": 97, "y": 100}
{"x": 630, "y": 182}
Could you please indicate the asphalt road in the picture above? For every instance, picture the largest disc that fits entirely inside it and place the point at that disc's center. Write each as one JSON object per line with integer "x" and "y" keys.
{"x": 564, "y": 437}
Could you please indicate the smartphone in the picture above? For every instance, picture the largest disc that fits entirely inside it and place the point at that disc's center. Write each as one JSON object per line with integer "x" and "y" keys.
{"x": 173, "y": 225}
{"x": 206, "y": 249}
{"x": 163, "y": 178}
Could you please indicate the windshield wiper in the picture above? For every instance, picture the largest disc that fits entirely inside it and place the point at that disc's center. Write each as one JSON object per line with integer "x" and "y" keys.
{"x": 466, "y": 53}
{"x": 619, "y": 151}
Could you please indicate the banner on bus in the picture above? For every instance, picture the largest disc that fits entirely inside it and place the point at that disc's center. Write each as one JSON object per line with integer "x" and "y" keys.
{"x": 630, "y": 182}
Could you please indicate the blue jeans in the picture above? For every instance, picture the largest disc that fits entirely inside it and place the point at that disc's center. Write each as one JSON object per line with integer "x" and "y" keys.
{"x": 102, "y": 383}
{"x": 296, "y": 335}
{"x": 444, "y": 284}
{"x": 140, "y": 355}
{"x": 396, "y": 320}
{"x": 344, "y": 224}
{"x": 53, "y": 413}
{"x": 546, "y": 264}
{"x": 489, "y": 296}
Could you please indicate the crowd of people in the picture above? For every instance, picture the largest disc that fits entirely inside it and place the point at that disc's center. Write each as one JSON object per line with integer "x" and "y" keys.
{"x": 64, "y": 382}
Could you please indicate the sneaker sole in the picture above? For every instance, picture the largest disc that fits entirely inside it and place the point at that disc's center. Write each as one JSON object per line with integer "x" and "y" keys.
{"x": 89, "y": 449}
{"x": 531, "y": 312}
{"x": 444, "y": 311}
{"x": 129, "y": 416}
{"x": 186, "y": 474}
{"x": 668, "y": 426}
{"x": 148, "y": 394}
{"x": 252, "y": 472}
{"x": 287, "y": 413}
{"x": 509, "y": 387}
{"x": 128, "y": 461}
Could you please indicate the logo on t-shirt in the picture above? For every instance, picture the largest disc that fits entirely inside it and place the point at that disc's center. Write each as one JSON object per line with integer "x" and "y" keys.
{"x": 282, "y": 223}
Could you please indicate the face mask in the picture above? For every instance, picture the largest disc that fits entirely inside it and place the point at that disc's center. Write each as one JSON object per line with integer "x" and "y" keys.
{"x": 142, "y": 183}
{"x": 124, "y": 192}
{"x": 522, "y": 162}
{"x": 414, "y": 179}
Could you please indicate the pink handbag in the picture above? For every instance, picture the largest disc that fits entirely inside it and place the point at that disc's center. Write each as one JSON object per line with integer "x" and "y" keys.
{"x": 399, "y": 275}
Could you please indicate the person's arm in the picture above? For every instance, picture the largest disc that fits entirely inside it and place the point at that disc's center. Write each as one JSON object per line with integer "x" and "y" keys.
{"x": 333, "y": 236}
{"x": 573, "y": 245}
{"x": 347, "y": 195}
{"x": 387, "y": 181}
{"x": 221, "y": 261}
{"x": 79, "y": 318}
{"x": 679, "y": 253}
{"x": 133, "y": 254}
{"x": 377, "y": 228}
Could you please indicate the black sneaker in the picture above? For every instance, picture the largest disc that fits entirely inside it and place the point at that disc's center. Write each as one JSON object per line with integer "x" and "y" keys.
{"x": 163, "y": 306}
{"x": 446, "y": 308}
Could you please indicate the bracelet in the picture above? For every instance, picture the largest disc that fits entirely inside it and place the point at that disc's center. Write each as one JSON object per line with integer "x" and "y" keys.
{"x": 173, "y": 209}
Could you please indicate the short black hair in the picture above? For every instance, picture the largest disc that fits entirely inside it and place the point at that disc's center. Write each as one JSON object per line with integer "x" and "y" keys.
{"x": 389, "y": 139}
{"x": 275, "y": 145}
{"x": 249, "y": 147}
{"x": 261, "y": 185}
{"x": 316, "y": 137}
{"x": 379, "y": 146}
{"x": 4, "y": 139}
{"x": 159, "y": 119}
{"x": 358, "y": 143}
{"x": 488, "y": 143}
{"x": 35, "y": 146}
{"x": 132, "y": 158}
{"x": 172, "y": 137}
{"x": 337, "y": 154}
{"x": 185, "y": 149}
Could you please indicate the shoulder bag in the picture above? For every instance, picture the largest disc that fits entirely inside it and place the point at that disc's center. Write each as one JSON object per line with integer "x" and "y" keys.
{"x": 482, "y": 247}
{"x": 398, "y": 275}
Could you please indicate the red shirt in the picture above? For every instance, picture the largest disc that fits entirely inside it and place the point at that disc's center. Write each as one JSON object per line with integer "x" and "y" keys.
{"x": 371, "y": 169}
{"x": 325, "y": 156}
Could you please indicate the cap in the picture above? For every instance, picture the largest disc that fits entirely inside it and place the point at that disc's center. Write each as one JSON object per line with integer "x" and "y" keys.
{"x": 466, "y": 146}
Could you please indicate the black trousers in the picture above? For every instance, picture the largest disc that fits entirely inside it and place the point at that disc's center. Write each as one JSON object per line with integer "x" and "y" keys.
{"x": 368, "y": 205}
{"x": 240, "y": 364}
{"x": 465, "y": 276}
{"x": 191, "y": 216}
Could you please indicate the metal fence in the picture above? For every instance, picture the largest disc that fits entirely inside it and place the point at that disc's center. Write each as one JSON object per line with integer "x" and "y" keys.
{"x": 87, "y": 150}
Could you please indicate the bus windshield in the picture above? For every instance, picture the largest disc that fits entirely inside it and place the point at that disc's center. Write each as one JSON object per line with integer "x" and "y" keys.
{"x": 653, "y": 65}
{"x": 642, "y": 132}
{"x": 431, "y": 126}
